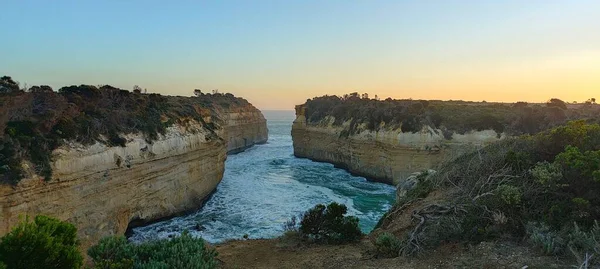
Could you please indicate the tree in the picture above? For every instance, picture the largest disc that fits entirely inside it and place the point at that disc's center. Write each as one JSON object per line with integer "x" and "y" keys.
{"x": 41, "y": 89}
{"x": 520, "y": 104}
{"x": 137, "y": 89}
{"x": 7, "y": 85}
{"x": 44, "y": 243}
{"x": 328, "y": 224}
{"x": 555, "y": 102}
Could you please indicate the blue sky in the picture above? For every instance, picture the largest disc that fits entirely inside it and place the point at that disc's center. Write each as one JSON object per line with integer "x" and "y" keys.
{"x": 279, "y": 53}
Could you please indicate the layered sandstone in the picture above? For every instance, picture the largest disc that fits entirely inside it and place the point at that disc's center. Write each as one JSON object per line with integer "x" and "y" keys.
{"x": 103, "y": 189}
{"x": 244, "y": 127}
{"x": 386, "y": 155}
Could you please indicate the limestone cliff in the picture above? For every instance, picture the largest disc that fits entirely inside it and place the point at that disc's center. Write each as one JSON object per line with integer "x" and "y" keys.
{"x": 244, "y": 127}
{"x": 385, "y": 155}
{"x": 102, "y": 189}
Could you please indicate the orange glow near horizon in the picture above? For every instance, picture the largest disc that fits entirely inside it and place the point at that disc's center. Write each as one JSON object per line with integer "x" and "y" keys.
{"x": 567, "y": 77}
{"x": 277, "y": 54}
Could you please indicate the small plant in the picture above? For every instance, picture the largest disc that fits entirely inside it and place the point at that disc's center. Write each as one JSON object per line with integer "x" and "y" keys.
{"x": 582, "y": 245}
{"x": 510, "y": 195}
{"x": 113, "y": 253}
{"x": 328, "y": 224}
{"x": 291, "y": 224}
{"x": 547, "y": 240}
{"x": 43, "y": 243}
{"x": 388, "y": 245}
{"x": 181, "y": 252}
{"x": 546, "y": 173}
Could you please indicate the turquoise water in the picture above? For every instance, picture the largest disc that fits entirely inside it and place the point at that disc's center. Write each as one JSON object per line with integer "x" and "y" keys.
{"x": 265, "y": 185}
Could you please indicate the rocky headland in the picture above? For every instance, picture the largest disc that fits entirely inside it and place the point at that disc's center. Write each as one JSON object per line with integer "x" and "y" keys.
{"x": 389, "y": 140}
{"x": 106, "y": 159}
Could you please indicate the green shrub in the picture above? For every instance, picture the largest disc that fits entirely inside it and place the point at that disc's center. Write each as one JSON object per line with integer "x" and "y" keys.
{"x": 43, "y": 243}
{"x": 550, "y": 179}
{"x": 113, "y": 253}
{"x": 180, "y": 252}
{"x": 571, "y": 240}
{"x": 510, "y": 195}
{"x": 388, "y": 245}
{"x": 546, "y": 173}
{"x": 545, "y": 238}
{"x": 328, "y": 224}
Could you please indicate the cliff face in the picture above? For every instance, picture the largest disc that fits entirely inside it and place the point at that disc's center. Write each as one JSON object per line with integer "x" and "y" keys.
{"x": 103, "y": 189}
{"x": 387, "y": 155}
{"x": 244, "y": 127}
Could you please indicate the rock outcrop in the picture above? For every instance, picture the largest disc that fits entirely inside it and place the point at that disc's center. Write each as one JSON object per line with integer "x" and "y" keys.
{"x": 244, "y": 127}
{"x": 386, "y": 155}
{"x": 103, "y": 189}
{"x": 409, "y": 183}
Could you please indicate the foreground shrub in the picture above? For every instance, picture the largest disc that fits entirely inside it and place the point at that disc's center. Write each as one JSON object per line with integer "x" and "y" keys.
{"x": 572, "y": 240}
{"x": 551, "y": 179}
{"x": 328, "y": 224}
{"x": 113, "y": 252}
{"x": 183, "y": 252}
{"x": 44, "y": 243}
{"x": 387, "y": 245}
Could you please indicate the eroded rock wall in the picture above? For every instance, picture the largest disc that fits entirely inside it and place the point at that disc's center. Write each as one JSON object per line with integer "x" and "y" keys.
{"x": 244, "y": 127}
{"x": 103, "y": 189}
{"x": 387, "y": 155}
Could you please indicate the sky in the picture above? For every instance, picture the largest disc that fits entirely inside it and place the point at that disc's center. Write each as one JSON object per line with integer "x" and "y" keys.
{"x": 279, "y": 53}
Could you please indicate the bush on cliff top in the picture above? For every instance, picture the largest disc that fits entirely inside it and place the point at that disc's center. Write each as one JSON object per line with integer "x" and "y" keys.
{"x": 550, "y": 180}
{"x": 387, "y": 245}
{"x": 329, "y": 225}
{"x": 449, "y": 116}
{"x": 183, "y": 252}
{"x": 43, "y": 243}
{"x": 34, "y": 123}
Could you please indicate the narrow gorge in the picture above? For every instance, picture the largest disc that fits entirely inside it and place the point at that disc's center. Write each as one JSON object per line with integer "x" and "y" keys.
{"x": 104, "y": 188}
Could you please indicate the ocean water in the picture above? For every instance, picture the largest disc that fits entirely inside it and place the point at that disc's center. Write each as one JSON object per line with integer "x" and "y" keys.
{"x": 266, "y": 185}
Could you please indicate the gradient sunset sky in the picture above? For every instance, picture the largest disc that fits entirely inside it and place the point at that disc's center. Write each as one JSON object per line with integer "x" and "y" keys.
{"x": 278, "y": 53}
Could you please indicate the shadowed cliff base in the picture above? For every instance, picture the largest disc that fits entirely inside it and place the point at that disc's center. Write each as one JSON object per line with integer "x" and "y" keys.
{"x": 343, "y": 165}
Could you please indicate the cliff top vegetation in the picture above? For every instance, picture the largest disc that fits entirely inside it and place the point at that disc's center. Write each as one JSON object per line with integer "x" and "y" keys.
{"x": 449, "y": 116}
{"x": 542, "y": 187}
{"x": 36, "y": 120}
